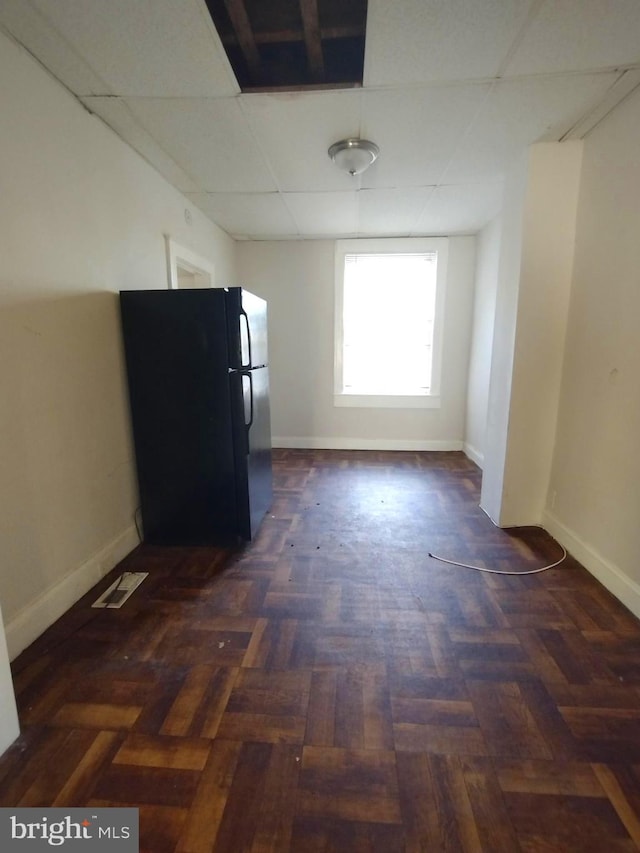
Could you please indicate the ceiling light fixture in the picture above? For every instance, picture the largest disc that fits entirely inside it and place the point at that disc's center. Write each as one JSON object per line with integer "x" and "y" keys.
{"x": 353, "y": 155}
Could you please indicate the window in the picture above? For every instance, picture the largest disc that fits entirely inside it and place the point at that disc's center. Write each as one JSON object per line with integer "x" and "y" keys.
{"x": 389, "y": 310}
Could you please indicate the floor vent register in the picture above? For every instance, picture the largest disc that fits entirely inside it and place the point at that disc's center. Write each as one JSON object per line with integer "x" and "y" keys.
{"x": 120, "y": 590}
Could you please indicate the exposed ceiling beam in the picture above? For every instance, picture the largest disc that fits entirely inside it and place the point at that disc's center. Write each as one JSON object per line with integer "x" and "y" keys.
{"x": 240, "y": 21}
{"x": 283, "y": 36}
{"x": 311, "y": 24}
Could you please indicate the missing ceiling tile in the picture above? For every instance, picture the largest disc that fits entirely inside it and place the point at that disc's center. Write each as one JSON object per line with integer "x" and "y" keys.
{"x": 292, "y": 44}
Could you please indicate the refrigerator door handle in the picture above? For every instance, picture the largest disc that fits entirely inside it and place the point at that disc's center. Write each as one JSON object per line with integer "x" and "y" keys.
{"x": 249, "y": 363}
{"x": 249, "y": 423}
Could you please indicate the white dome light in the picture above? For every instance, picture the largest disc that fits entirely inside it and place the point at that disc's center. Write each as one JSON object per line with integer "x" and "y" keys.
{"x": 353, "y": 155}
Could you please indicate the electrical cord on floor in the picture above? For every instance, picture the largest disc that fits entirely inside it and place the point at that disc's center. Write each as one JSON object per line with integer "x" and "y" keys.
{"x": 499, "y": 571}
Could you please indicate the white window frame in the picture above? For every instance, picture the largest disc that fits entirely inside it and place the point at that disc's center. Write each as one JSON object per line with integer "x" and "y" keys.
{"x": 395, "y": 246}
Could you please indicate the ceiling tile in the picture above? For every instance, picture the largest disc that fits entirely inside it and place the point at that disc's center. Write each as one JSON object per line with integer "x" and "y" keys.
{"x": 579, "y": 35}
{"x": 295, "y": 130}
{"x": 115, "y": 113}
{"x": 146, "y": 47}
{"x": 460, "y": 209}
{"x": 391, "y": 213}
{"x": 518, "y": 113}
{"x": 31, "y": 29}
{"x": 624, "y": 85}
{"x": 416, "y": 41}
{"x": 257, "y": 215}
{"x": 324, "y": 214}
{"x": 209, "y": 138}
{"x": 417, "y": 129}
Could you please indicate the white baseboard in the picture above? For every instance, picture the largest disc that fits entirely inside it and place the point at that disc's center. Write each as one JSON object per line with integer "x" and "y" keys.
{"x": 37, "y": 616}
{"x": 613, "y": 578}
{"x": 362, "y": 444}
{"x": 474, "y": 454}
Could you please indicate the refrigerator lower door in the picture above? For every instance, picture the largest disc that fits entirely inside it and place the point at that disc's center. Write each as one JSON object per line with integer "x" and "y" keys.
{"x": 252, "y": 447}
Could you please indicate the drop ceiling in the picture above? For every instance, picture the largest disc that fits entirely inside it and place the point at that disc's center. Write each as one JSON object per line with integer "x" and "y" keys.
{"x": 451, "y": 91}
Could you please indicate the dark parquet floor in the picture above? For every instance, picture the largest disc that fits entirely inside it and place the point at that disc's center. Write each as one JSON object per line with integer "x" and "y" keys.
{"x": 332, "y": 688}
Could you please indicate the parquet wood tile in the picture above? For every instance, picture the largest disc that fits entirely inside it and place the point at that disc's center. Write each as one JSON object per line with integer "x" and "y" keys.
{"x": 574, "y": 824}
{"x": 78, "y": 751}
{"x": 321, "y": 835}
{"x": 445, "y": 821}
{"x": 163, "y": 786}
{"x": 180, "y": 753}
{"x": 330, "y": 687}
{"x": 349, "y": 784}
{"x": 620, "y": 786}
{"x": 490, "y": 815}
{"x": 88, "y": 770}
{"x": 95, "y": 715}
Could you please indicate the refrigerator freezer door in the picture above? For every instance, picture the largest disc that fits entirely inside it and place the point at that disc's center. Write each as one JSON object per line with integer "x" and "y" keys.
{"x": 247, "y": 329}
{"x": 245, "y": 340}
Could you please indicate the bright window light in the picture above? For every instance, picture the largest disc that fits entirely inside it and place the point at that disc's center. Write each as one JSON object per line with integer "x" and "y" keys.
{"x": 389, "y": 309}
{"x": 389, "y": 321}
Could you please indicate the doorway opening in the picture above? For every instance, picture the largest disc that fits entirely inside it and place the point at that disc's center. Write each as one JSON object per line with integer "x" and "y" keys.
{"x": 186, "y": 269}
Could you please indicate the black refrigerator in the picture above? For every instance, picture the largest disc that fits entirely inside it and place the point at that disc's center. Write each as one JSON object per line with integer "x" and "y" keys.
{"x": 198, "y": 376}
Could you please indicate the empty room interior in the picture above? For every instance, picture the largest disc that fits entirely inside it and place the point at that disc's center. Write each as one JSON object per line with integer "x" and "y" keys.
{"x": 419, "y": 631}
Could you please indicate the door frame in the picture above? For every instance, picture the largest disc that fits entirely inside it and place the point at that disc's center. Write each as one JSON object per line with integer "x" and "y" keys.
{"x": 181, "y": 258}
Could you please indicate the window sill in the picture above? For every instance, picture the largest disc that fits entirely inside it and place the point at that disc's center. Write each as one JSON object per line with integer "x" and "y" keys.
{"x": 387, "y": 401}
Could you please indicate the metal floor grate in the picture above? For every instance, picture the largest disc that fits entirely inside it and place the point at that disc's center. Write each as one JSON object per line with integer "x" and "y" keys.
{"x": 120, "y": 590}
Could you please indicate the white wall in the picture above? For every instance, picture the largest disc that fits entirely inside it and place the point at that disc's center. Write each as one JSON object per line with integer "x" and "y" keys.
{"x": 594, "y": 495}
{"x": 543, "y": 303}
{"x": 81, "y": 217}
{"x": 533, "y": 298}
{"x": 504, "y": 334}
{"x": 297, "y": 279}
{"x": 484, "y": 309}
